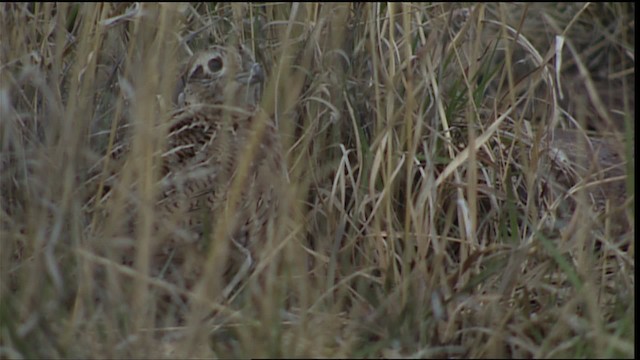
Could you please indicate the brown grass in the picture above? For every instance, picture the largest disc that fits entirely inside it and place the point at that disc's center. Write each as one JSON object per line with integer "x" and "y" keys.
{"x": 425, "y": 217}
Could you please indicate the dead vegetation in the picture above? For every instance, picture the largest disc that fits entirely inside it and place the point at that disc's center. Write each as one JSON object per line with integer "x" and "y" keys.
{"x": 431, "y": 211}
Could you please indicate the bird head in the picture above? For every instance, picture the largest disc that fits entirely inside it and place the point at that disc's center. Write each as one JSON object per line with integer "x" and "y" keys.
{"x": 221, "y": 75}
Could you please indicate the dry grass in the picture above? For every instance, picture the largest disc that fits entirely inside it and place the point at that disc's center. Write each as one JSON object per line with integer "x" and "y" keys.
{"x": 424, "y": 216}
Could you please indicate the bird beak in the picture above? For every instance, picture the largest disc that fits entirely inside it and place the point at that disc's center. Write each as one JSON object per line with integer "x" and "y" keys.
{"x": 253, "y": 76}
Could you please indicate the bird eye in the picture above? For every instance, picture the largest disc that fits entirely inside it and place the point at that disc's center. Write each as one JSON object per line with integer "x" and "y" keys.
{"x": 215, "y": 64}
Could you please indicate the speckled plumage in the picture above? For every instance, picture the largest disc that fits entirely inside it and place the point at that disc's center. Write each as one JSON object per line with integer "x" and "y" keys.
{"x": 589, "y": 166}
{"x": 217, "y": 125}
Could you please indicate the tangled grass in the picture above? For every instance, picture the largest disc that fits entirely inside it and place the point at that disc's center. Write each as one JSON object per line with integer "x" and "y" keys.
{"x": 425, "y": 216}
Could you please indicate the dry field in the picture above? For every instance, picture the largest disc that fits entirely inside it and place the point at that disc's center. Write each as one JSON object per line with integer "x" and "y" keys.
{"x": 460, "y": 182}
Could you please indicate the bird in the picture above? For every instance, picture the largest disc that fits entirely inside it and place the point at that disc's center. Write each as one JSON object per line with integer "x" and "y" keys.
{"x": 210, "y": 136}
{"x": 218, "y": 141}
{"x": 593, "y": 164}
{"x": 594, "y": 159}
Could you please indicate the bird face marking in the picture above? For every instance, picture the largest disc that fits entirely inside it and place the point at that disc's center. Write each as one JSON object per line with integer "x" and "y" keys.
{"x": 208, "y": 66}
{"x": 220, "y": 74}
